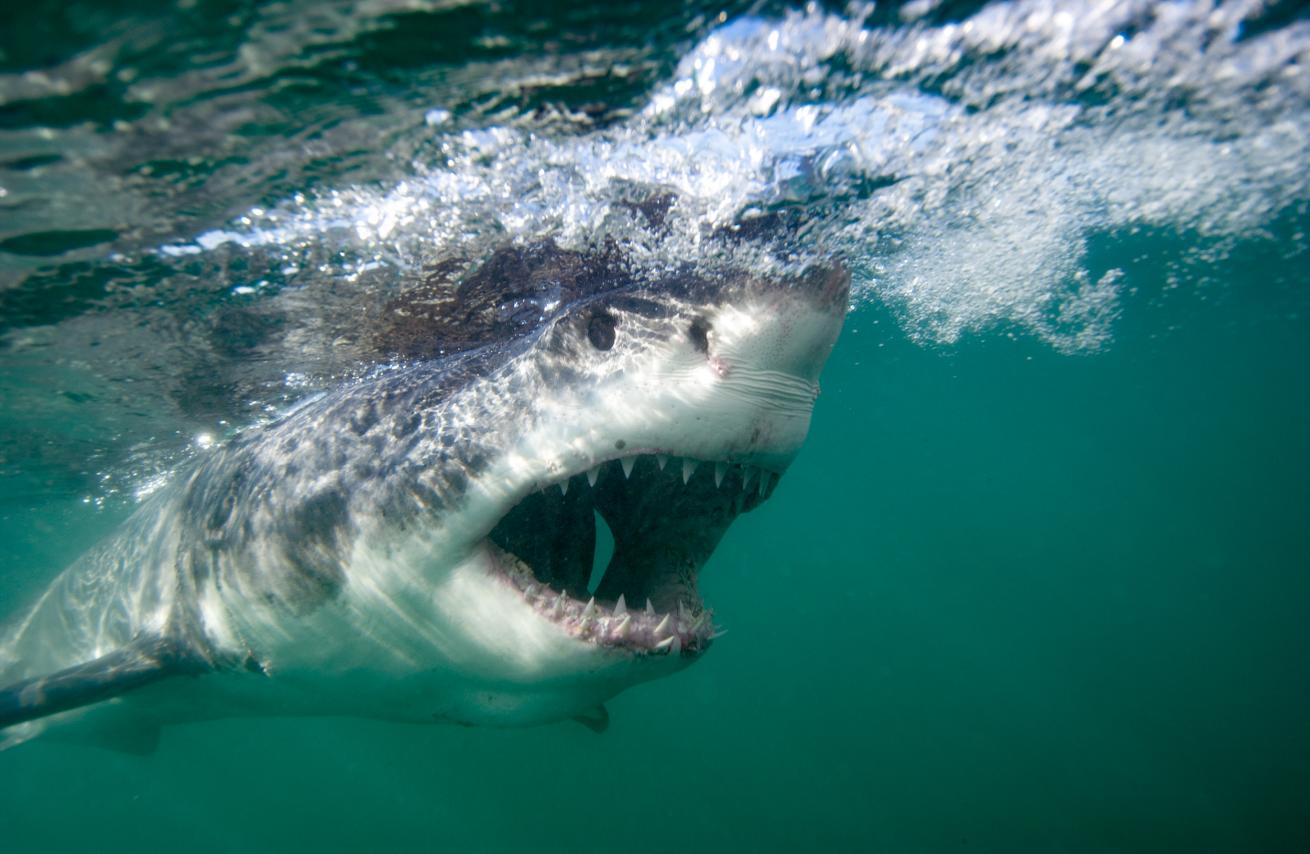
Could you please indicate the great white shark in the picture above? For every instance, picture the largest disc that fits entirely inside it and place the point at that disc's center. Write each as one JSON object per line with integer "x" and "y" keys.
{"x": 416, "y": 545}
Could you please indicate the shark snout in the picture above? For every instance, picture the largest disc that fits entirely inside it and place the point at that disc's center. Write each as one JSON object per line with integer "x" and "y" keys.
{"x": 783, "y": 336}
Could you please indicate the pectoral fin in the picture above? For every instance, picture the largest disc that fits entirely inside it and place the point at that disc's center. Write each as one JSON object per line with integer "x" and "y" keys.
{"x": 595, "y": 719}
{"x": 140, "y": 663}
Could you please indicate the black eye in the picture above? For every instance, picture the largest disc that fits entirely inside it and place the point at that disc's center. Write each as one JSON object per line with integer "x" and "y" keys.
{"x": 699, "y": 333}
{"x": 600, "y": 331}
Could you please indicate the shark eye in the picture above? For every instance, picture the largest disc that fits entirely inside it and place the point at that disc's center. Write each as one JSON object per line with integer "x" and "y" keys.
{"x": 600, "y": 331}
{"x": 699, "y": 333}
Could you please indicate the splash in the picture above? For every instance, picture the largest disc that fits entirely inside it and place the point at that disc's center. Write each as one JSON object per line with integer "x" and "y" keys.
{"x": 960, "y": 167}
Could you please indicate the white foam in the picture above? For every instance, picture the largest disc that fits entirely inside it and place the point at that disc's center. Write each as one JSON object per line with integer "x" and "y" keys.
{"x": 960, "y": 168}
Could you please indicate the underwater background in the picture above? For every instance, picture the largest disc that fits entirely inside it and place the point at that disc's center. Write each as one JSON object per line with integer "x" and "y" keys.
{"x": 1039, "y": 580}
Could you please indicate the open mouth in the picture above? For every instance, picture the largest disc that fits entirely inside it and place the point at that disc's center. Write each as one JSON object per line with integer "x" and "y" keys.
{"x": 666, "y": 515}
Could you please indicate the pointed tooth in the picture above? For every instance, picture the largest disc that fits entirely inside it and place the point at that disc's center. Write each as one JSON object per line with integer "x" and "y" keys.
{"x": 720, "y": 469}
{"x": 661, "y": 460}
{"x": 620, "y": 607}
{"x": 590, "y": 610}
{"x": 627, "y": 463}
{"x": 564, "y": 486}
{"x": 718, "y": 633}
{"x": 700, "y": 621}
{"x": 765, "y": 477}
{"x": 620, "y": 630}
{"x": 667, "y": 642}
{"x": 747, "y": 475}
{"x": 558, "y": 607}
{"x": 530, "y": 591}
{"x": 676, "y": 646}
{"x": 663, "y": 626}
{"x": 688, "y": 466}
{"x": 682, "y": 612}
{"x": 650, "y": 609}
{"x": 592, "y": 474}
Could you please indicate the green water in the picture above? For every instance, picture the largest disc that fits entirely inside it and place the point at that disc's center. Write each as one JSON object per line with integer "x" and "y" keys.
{"x": 1012, "y": 596}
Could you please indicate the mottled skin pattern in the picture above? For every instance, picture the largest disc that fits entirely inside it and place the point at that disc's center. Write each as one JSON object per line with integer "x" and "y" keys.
{"x": 269, "y": 516}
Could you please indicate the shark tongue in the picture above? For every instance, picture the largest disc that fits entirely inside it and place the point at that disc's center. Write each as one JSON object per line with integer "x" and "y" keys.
{"x": 664, "y": 575}
{"x": 657, "y": 553}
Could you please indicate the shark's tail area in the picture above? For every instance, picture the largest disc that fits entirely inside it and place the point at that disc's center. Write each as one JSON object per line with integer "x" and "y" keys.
{"x": 140, "y": 663}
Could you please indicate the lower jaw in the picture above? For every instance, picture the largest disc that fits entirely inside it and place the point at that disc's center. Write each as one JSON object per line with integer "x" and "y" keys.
{"x": 635, "y": 628}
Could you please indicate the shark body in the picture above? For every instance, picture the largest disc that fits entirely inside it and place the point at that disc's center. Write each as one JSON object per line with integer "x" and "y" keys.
{"x": 417, "y": 545}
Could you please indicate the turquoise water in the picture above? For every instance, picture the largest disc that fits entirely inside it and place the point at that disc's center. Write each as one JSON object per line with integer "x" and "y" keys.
{"x": 1038, "y": 580}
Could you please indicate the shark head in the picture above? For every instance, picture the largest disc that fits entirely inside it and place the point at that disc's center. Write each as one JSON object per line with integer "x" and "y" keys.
{"x": 659, "y": 409}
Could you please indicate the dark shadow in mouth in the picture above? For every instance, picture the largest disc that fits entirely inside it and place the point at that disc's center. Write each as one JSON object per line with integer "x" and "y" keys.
{"x": 666, "y": 514}
{"x": 554, "y": 533}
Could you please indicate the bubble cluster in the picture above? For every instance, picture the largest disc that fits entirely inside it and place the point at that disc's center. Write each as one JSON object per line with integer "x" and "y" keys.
{"x": 959, "y": 167}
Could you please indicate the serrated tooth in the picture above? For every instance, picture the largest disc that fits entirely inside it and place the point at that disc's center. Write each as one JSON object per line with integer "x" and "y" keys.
{"x": 590, "y": 610}
{"x": 650, "y": 609}
{"x": 720, "y": 469}
{"x": 620, "y": 607}
{"x": 627, "y": 463}
{"x": 592, "y": 474}
{"x": 747, "y": 475}
{"x": 676, "y": 646}
{"x": 765, "y": 477}
{"x": 668, "y": 641}
{"x": 661, "y": 460}
{"x": 564, "y": 486}
{"x": 688, "y": 466}
{"x": 663, "y": 626}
